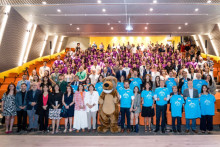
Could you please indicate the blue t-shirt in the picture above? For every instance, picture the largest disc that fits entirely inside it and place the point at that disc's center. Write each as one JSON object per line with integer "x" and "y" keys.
{"x": 147, "y": 98}
{"x": 136, "y": 82}
{"x": 161, "y": 93}
{"x": 185, "y": 85}
{"x": 176, "y": 102}
{"x": 120, "y": 86}
{"x": 126, "y": 98}
{"x": 75, "y": 87}
{"x": 170, "y": 83}
{"x": 207, "y": 104}
{"x": 192, "y": 108}
{"x": 197, "y": 84}
{"x": 99, "y": 87}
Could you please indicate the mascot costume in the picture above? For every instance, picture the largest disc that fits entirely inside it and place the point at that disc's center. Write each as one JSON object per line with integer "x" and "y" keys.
{"x": 108, "y": 106}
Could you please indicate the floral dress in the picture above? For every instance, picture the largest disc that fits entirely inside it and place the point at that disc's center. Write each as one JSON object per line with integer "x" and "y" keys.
{"x": 9, "y": 105}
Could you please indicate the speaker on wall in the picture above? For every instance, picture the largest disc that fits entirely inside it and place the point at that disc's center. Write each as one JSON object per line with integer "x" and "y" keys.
{"x": 206, "y": 43}
{"x": 50, "y": 44}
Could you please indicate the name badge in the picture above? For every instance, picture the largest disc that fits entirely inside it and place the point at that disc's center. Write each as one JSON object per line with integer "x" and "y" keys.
{"x": 179, "y": 98}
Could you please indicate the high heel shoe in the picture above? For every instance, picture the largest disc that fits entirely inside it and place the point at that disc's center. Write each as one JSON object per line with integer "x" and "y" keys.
{"x": 64, "y": 131}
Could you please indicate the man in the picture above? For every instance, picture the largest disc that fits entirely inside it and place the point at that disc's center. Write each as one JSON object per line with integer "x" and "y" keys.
{"x": 126, "y": 69}
{"x": 62, "y": 84}
{"x": 169, "y": 67}
{"x": 183, "y": 82}
{"x": 188, "y": 95}
{"x": 24, "y": 80}
{"x": 126, "y": 103}
{"x": 109, "y": 69}
{"x": 101, "y": 46}
{"x": 75, "y": 83}
{"x": 147, "y": 71}
{"x": 142, "y": 68}
{"x": 58, "y": 61}
{"x": 78, "y": 47}
{"x": 94, "y": 77}
{"x": 94, "y": 45}
{"x": 135, "y": 81}
{"x": 171, "y": 81}
{"x": 81, "y": 74}
{"x": 120, "y": 73}
{"x": 21, "y": 104}
{"x": 116, "y": 68}
{"x": 43, "y": 69}
{"x": 142, "y": 47}
{"x": 54, "y": 77}
{"x": 96, "y": 67}
{"x": 161, "y": 97}
{"x": 105, "y": 72}
{"x": 197, "y": 84}
{"x": 177, "y": 66}
{"x": 128, "y": 46}
{"x": 32, "y": 98}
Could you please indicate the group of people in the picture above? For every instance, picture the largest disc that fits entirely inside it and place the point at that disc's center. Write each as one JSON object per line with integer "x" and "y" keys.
{"x": 155, "y": 74}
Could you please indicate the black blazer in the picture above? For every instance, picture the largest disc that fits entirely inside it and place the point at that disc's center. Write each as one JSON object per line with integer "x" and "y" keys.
{"x": 177, "y": 68}
{"x": 31, "y": 99}
{"x": 118, "y": 74}
{"x": 40, "y": 109}
{"x": 56, "y": 97}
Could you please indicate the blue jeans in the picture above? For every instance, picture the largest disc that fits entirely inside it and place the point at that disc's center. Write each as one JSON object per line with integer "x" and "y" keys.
{"x": 33, "y": 119}
{"x": 161, "y": 110}
{"x": 193, "y": 124}
{"x": 125, "y": 111}
{"x": 178, "y": 123}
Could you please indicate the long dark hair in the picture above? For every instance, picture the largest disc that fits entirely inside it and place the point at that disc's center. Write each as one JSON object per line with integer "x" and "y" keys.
{"x": 150, "y": 88}
{"x": 70, "y": 88}
{"x": 206, "y": 88}
{"x": 210, "y": 81}
{"x": 138, "y": 90}
{"x": 8, "y": 90}
{"x": 53, "y": 89}
{"x": 99, "y": 77}
{"x": 82, "y": 86}
{"x": 156, "y": 81}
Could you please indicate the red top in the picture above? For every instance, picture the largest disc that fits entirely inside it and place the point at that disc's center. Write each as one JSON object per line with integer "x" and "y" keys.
{"x": 45, "y": 99}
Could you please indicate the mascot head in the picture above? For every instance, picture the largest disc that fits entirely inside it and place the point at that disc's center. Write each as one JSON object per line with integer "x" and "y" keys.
{"x": 109, "y": 84}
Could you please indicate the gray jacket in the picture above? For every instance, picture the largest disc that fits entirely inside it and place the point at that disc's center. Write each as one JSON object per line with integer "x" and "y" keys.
{"x": 195, "y": 93}
{"x": 137, "y": 103}
{"x": 212, "y": 88}
{"x": 18, "y": 100}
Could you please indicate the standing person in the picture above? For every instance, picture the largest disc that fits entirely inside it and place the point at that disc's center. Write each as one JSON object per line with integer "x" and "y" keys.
{"x": 183, "y": 82}
{"x": 87, "y": 83}
{"x": 127, "y": 102}
{"x": 67, "y": 111}
{"x": 120, "y": 72}
{"x": 43, "y": 105}
{"x": 91, "y": 102}
{"x": 32, "y": 98}
{"x": 135, "y": 110}
{"x": 62, "y": 84}
{"x": 94, "y": 77}
{"x": 21, "y": 104}
{"x": 176, "y": 102}
{"x": 120, "y": 84}
{"x": 80, "y": 117}
{"x": 99, "y": 85}
{"x": 55, "y": 108}
{"x": 211, "y": 85}
{"x": 43, "y": 69}
{"x": 161, "y": 96}
{"x": 207, "y": 103}
{"x": 147, "y": 105}
{"x": 171, "y": 81}
{"x": 54, "y": 77}
{"x": 135, "y": 81}
{"x": 190, "y": 93}
{"x": 9, "y": 107}
{"x": 197, "y": 84}
{"x": 81, "y": 74}
{"x": 24, "y": 80}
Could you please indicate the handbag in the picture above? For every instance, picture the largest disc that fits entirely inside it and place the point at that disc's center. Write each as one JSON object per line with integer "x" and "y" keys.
{"x": 63, "y": 111}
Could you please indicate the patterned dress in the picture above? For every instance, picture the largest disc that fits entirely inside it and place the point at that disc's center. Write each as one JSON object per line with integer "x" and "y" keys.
{"x": 9, "y": 105}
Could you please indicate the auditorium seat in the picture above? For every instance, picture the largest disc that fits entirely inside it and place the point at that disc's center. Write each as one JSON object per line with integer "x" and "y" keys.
{"x": 215, "y": 72}
{"x": 1, "y": 80}
{"x": 8, "y": 81}
{"x": 12, "y": 75}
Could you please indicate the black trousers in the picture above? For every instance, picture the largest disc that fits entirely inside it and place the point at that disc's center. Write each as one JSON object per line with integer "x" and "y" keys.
{"x": 125, "y": 111}
{"x": 161, "y": 110}
{"x": 43, "y": 118}
{"x": 178, "y": 123}
{"x": 22, "y": 119}
{"x": 206, "y": 123}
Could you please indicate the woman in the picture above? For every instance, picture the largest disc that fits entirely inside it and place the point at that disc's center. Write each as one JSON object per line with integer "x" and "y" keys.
{"x": 43, "y": 108}
{"x": 192, "y": 74}
{"x": 147, "y": 106}
{"x": 146, "y": 79}
{"x": 99, "y": 85}
{"x": 69, "y": 75}
{"x": 164, "y": 76}
{"x": 211, "y": 85}
{"x": 207, "y": 103}
{"x": 91, "y": 102}
{"x": 46, "y": 81}
{"x": 9, "y": 107}
{"x": 80, "y": 117}
{"x": 55, "y": 108}
{"x": 67, "y": 111}
{"x": 34, "y": 73}
{"x": 156, "y": 84}
{"x": 135, "y": 111}
{"x": 120, "y": 84}
{"x": 87, "y": 83}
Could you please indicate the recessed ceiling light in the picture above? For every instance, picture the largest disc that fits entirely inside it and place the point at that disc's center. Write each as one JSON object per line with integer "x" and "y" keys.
{"x": 58, "y": 10}
{"x": 147, "y": 23}
{"x": 145, "y": 28}
{"x": 71, "y": 24}
{"x": 186, "y": 23}
{"x": 179, "y": 28}
{"x": 209, "y": 1}
{"x": 151, "y": 9}
{"x": 77, "y": 28}
{"x": 99, "y": 1}
{"x": 112, "y": 28}
{"x": 119, "y": 21}
{"x": 44, "y": 3}
{"x": 154, "y": 1}
{"x": 103, "y": 10}
{"x": 197, "y": 9}
{"x": 108, "y": 23}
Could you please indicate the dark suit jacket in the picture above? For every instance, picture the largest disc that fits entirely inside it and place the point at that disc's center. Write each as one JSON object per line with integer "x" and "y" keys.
{"x": 40, "y": 109}
{"x": 18, "y": 100}
{"x": 31, "y": 99}
{"x": 195, "y": 93}
{"x": 177, "y": 68}
{"x": 107, "y": 74}
{"x": 118, "y": 74}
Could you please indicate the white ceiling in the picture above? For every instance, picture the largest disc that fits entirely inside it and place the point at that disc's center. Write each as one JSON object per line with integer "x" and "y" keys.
{"x": 166, "y": 17}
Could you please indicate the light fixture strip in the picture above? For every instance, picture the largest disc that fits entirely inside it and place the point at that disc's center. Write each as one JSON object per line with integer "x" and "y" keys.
{"x": 213, "y": 45}
{"x": 203, "y": 45}
{"x": 44, "y": 44}
{"x": 60, "y": 43}
{"x": 54, "y": 44}
{"x": 195, "y": 38}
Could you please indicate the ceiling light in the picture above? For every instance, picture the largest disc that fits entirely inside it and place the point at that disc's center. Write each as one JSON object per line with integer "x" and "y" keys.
{"x": 145, "y": 28}
{"x": 197, "y": 9}
{"x": 58, "y": 10}
{"x": 108, "y": 23}
{"x": 119, "y": 21}
{"x": 154, "y": 1}
{"x": 179, "y": 28}
{"x": 129, "y": 27}
{"x": 151, "y": 9}
{"x": 103, "y": 10}
{"x": 71, "y": 24}
{"x": 99, "y": 1}
{"x": 209, "y": 1}
{"x": 77, "y": 28}
{"x": 147, "y": 23}
{"x": 44, "y": 3}
{"x": 112, "y": 28}
{"x": 186, "y": 23}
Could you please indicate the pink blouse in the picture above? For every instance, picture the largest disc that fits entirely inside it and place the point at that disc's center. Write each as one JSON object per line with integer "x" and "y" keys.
{"x": 79, "y": 100}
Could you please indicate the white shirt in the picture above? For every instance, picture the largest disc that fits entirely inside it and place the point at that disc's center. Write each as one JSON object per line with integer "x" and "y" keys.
{"x": 43, "y": 69}
{"x": 94, "y": 78}
{"x": 154, "y": 74}
{"x": 127, "y": 70}
{"x": 142, "y": 69}
{"x": 142, "y": 48}
{"x": 134, "y": 49}
{"x": 97, "y": 68}
{"x": 91, "y": 99}
{"x": 191, "y": 93}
